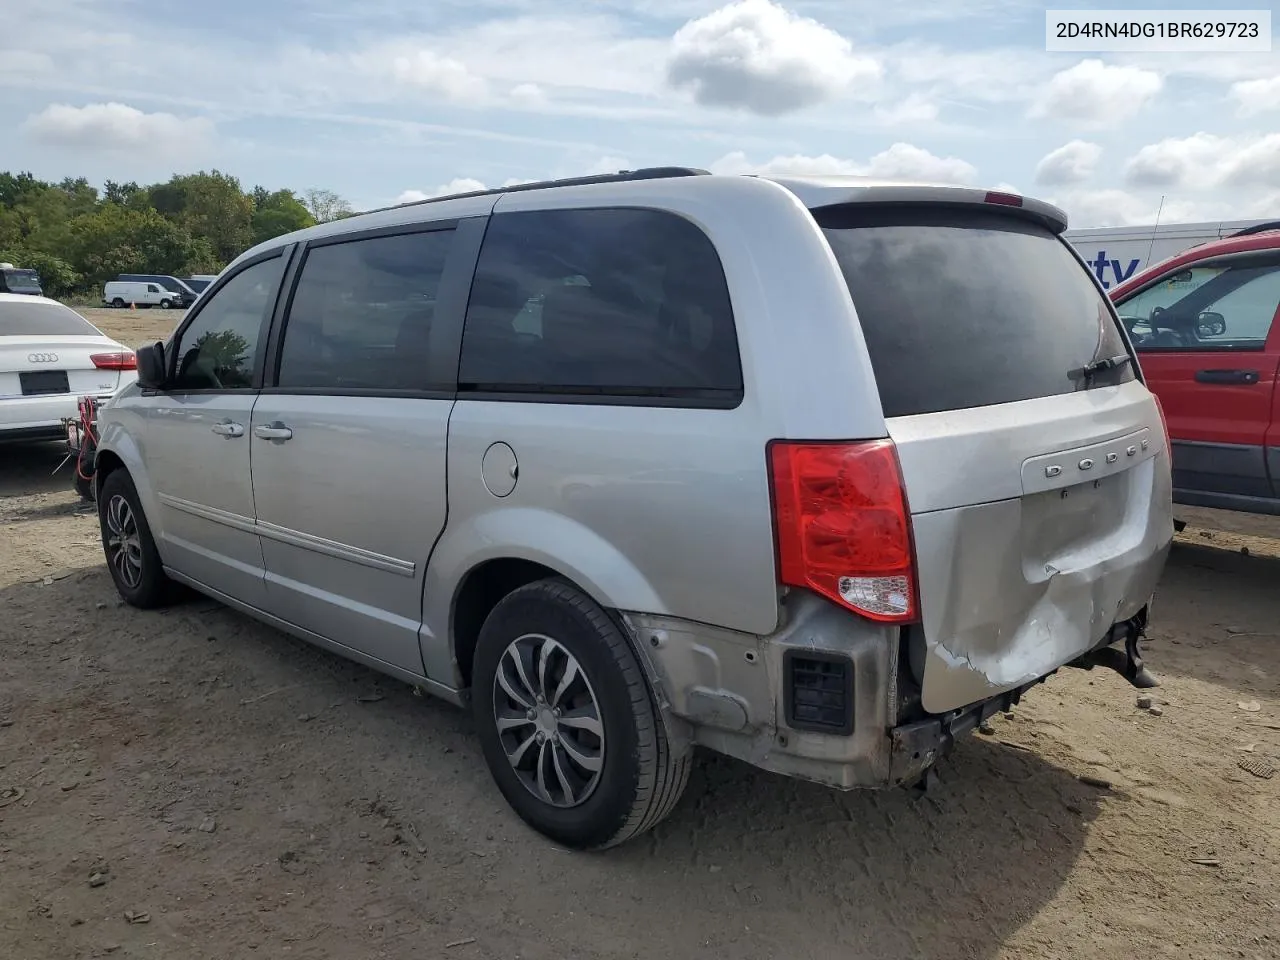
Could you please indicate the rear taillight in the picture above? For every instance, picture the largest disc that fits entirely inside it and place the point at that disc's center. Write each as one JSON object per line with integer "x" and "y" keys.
{"x": 843, "y": 530}
{"x": 115, "y": 361}
{"x": 1004, "y": 199}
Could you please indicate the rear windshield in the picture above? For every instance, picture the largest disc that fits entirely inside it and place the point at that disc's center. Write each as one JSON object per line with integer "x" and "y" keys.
{"x": 967, "y": 308}
{"x": 22, "y": 279}
{"x": 42, "y": 320}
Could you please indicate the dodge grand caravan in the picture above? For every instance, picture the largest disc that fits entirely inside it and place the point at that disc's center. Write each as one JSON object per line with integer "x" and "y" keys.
{"x": 631, "y": 464}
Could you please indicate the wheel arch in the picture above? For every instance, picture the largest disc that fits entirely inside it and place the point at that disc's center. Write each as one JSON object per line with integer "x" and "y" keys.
{"x": 117, "y": 450}
{"x": 506, "y": 548}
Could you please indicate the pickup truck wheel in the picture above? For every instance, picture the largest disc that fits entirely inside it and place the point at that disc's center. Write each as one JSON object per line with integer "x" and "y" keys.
{"x": 130, "y": 549}
{"x": 567, "y": 722}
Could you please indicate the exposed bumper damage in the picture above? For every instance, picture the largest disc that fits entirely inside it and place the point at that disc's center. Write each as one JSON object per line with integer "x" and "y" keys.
{"x": 728, "y": 691}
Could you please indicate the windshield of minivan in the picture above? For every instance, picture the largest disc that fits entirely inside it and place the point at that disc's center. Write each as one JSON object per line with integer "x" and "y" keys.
{"x": 965, "y": 309}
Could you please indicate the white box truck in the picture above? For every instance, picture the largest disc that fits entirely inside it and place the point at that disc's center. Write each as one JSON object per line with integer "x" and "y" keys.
{"x": 1114, "y": 254}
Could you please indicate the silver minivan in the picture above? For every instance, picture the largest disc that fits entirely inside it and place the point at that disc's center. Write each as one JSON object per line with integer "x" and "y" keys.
{"x": 818, "y": 473}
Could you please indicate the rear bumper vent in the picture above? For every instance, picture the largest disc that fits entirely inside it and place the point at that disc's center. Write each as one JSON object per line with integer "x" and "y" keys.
{"x": 818, "y": 691}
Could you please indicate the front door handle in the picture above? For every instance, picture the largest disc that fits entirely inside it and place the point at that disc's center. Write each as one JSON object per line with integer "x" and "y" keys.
{"x": 275, "y": 430}
{"x": 228, "y": 428}
{"x": 1245, "y": 377}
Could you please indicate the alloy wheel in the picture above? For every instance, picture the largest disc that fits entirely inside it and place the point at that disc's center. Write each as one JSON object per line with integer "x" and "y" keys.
{"x": 548, "y": 720}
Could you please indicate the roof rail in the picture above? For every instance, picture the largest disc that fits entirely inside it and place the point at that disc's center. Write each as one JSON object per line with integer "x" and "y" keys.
{"x": 622, "y": 176}
{"x": 1256, "y": 228}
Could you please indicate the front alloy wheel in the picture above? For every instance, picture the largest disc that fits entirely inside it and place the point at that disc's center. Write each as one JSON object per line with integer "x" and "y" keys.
{"x": 122, "y": 542}
{"x": 127, "y": 543}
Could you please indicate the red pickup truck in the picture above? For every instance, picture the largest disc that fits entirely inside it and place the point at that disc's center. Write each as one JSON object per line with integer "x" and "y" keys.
{"x": 1206, "y": 330}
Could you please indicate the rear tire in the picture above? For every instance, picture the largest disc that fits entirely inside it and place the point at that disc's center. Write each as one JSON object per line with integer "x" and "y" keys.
{"x": 130, "y": 549}
{"x": 549, "y": 630}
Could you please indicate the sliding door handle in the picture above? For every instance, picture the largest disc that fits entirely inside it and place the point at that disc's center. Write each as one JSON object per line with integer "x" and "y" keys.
{"x": 275, "y": 430}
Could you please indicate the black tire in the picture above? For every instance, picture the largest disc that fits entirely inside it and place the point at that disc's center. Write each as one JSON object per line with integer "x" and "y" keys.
{"x": 84, "y": 487}
{"x": 152, "y": 587}
{"x": 639, "y": 781}
{"x": 118, "y": 303}
{"x": 165, "y": 304}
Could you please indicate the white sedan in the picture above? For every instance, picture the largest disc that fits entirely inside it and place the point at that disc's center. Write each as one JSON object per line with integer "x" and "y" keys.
{"x": 50, "y": 356}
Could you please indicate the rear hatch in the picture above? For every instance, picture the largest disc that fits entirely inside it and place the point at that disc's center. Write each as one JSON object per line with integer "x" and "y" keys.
{"x": 1038, "y": 488}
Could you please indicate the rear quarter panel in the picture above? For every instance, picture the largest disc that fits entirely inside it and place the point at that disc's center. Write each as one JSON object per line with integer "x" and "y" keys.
{"x": 666, "y": 510}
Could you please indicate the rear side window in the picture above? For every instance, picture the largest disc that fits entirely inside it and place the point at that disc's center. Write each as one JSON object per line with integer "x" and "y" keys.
{"x": 38, "y": 319}
{"x": 608, "y": 303}
{"x": 965, "y": 309}
{"x": 362, "y": 314}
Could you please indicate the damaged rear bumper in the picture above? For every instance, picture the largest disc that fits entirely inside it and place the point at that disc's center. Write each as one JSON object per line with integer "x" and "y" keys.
{"x": 744, "y": 696}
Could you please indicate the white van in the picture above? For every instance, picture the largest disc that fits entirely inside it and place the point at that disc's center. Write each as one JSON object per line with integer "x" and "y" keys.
{"x": 121, "y": 293}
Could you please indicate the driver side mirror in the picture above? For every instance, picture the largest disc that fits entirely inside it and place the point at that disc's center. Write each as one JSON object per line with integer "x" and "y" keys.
{"x": 151, "y": 366}
{"x": 1211, "y": 324}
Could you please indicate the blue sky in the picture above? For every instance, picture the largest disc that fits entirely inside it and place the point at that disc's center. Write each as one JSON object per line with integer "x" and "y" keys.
{"x": 391, "y": 99}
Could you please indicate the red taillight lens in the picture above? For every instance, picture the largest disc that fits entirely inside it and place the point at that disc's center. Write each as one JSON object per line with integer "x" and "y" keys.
{"x": 115, "y": 361}
{"x": 842, "y": 525}
{"x": 1004, "y": 199}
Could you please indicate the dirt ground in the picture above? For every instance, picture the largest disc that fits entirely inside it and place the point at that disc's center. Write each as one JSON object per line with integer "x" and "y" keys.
{"x": 242, "y": 795}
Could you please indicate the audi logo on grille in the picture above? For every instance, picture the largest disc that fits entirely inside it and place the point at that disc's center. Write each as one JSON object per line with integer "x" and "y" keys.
{"x": 42, "y": 357}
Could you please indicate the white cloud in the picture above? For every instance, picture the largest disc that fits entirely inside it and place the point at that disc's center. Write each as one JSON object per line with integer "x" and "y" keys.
{"x": 902, "y": 161}
{"x": 527, "y": 95}
{"x": 25, "y": 63}
{"x": 1072, "y": 162}
{"x": 440, "y": 75}
{"x": 1205, "y": 161}
{"x": 1114, "y": 207}
{"x": 914, "y": 108}
{"x": 758, "y": 56}
{"x": 113, "y": 126}
{"x": 456, "y": 185}
{"x": 995, "y": 75}
{"x": 1257, "y": 96}
{"x": 1094, "y": 93}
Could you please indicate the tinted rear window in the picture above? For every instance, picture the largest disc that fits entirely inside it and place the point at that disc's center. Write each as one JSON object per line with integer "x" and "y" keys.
{"x": 966, "y": 309}
{"x": 42, "y": 320}
{"x": 22, "y": 279}
{"x": 601, "y": 303}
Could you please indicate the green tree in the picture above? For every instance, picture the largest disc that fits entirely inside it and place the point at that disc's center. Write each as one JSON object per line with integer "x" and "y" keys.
{"x": 325, "y": 205}
{"x": 125, "y": 194}
{"x": 15, "y": 187}
{"x": 209, "y": 205}
{"x": 115, "y": 239}
{"x": 278, "y": 213}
